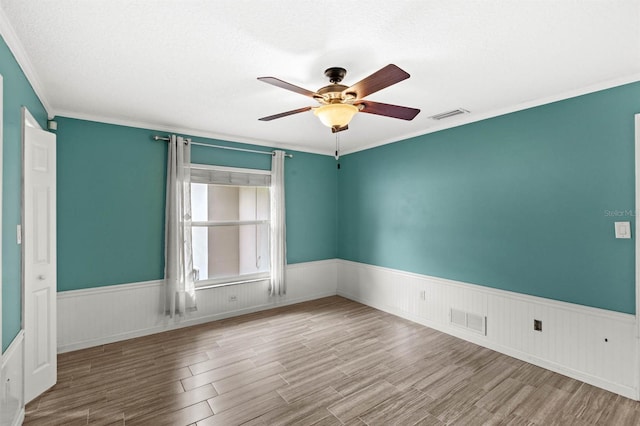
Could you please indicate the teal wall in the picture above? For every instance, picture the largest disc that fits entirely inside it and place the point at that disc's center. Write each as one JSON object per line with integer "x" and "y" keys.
{"x": 111, "y": 189}
{"x": 523, "y": 202}
{"x": 17, "y": 93}
{"x": 110, "y": 204}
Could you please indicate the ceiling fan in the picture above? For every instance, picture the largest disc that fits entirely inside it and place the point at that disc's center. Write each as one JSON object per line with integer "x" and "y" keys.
{"x": 339, "y": 103}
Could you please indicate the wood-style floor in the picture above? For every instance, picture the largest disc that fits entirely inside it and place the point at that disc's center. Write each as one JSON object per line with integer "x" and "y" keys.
{"x": 326, "y": 362}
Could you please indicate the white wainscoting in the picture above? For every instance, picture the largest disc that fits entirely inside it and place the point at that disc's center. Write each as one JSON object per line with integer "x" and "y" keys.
{"x": 102, "y": 315}
{"x": 592, "y": 345}
{"x": 12, "y": 381}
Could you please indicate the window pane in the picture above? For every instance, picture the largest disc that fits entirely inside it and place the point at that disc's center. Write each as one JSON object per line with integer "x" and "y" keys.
{"x": 199, "y": 241}
{"x": 199, "y": 209}
{"x": 253, "y": 203}
{"x": 263, "y": 210}
{"x": 254, "y": 248}
{"x": 230, "y": 251}
{"x": 223, "y": 202}
{"x": 210, "y": 202}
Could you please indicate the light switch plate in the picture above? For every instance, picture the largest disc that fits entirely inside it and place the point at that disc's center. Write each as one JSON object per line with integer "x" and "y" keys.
{"x": 623, "y": 229}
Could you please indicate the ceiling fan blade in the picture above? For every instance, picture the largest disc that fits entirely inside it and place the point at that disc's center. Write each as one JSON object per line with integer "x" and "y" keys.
{"x": 284, "y": 85}
{"x": 388, "y": 110}
{"x": 284, "y": 114}
{"x": 385, "y": 77}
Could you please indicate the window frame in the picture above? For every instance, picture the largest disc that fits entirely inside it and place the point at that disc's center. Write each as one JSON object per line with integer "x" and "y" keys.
{"x": 237, "y": 279}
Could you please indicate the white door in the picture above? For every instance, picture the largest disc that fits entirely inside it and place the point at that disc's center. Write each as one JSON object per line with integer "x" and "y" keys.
{"x": 39, "y": 257}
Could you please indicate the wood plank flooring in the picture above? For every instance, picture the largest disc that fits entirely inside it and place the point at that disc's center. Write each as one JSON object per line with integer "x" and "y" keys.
{"x": 326, "y": 362}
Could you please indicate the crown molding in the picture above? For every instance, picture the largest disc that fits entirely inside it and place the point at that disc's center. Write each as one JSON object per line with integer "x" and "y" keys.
{"x": 17, "y": 49}
{"x": 155, "y": 127}
{"x": 471, "y": 118}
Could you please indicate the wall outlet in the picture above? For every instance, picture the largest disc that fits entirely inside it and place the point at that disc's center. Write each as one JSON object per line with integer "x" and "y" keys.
{"x": 537, "y": 325}
{"x": 423, "y": 295}
{"x": 233, "y": 298}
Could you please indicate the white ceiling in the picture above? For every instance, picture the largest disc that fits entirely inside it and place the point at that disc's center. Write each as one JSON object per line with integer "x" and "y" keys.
{"x": 191, "y": 66}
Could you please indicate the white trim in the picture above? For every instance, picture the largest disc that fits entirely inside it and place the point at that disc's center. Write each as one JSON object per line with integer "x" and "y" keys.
{"x": 637, "y": 244}
{"x": 1, "y": 170}
{"x": 209, "y": 284}
{"x": 207, "y": 223}
{"x": 119, "y": 288}
{"x": 232, "y": 280}
{"x": 115, "y": 288}
{"x": 230, "y": 169}
{"x": 13, "y": 347}
{"x": 15, "y": 46}
{"x": 305, "y": 265}
{"x": 572, "y": 344}
{"x": 20, "y": 418}
{"x": 157, "y": 127}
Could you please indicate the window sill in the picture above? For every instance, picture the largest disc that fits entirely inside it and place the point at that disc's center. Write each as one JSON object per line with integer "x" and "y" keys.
{"x": 206, "y": 286}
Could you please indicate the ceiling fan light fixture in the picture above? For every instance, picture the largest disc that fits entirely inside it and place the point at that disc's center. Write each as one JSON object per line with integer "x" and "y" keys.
{"x": 335, "y": 115}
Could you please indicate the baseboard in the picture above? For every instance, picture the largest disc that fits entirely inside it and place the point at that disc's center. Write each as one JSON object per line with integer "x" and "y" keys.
{"x": 572, "y": 342}
{"x": 20, "y": 418}
{"x": 103, "y": 315}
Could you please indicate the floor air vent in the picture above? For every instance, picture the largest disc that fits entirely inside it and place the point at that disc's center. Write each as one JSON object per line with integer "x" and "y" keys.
{"x": 473, "y": 322}
{"x": 448, "y": 114}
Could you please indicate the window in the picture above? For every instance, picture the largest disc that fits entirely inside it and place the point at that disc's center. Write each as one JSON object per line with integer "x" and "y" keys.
{"x": 230, "y": 224}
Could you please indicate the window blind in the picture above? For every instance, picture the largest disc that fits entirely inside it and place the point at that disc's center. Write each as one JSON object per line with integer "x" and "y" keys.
{"x": 225, "y": 177}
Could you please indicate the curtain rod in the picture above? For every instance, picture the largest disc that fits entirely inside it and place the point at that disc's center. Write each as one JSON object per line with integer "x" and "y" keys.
{"x": 161, "y": 138}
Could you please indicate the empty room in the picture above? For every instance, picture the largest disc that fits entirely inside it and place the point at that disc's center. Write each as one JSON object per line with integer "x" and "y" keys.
{"x": 319, "y": 213}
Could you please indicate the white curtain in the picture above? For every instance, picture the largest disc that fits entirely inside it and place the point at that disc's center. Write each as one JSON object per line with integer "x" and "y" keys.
{"x": 180, "y": 295}
{"x": 278, "y": 231}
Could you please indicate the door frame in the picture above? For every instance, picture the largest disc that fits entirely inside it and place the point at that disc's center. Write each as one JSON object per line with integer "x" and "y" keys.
{"x": 636, "y": 236}
{"x": 1, "y": 171}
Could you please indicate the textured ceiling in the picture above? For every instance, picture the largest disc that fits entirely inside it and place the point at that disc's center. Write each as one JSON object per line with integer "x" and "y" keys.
{"x": 191, "y": 66}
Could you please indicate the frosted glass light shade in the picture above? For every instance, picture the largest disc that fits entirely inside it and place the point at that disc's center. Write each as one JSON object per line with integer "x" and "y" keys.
{"x": 335, "y": 115}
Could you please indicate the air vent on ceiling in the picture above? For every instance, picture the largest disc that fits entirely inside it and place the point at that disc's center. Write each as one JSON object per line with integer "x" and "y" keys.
{"x": 469, "y": 321}
{"x": 448, "y": 114}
